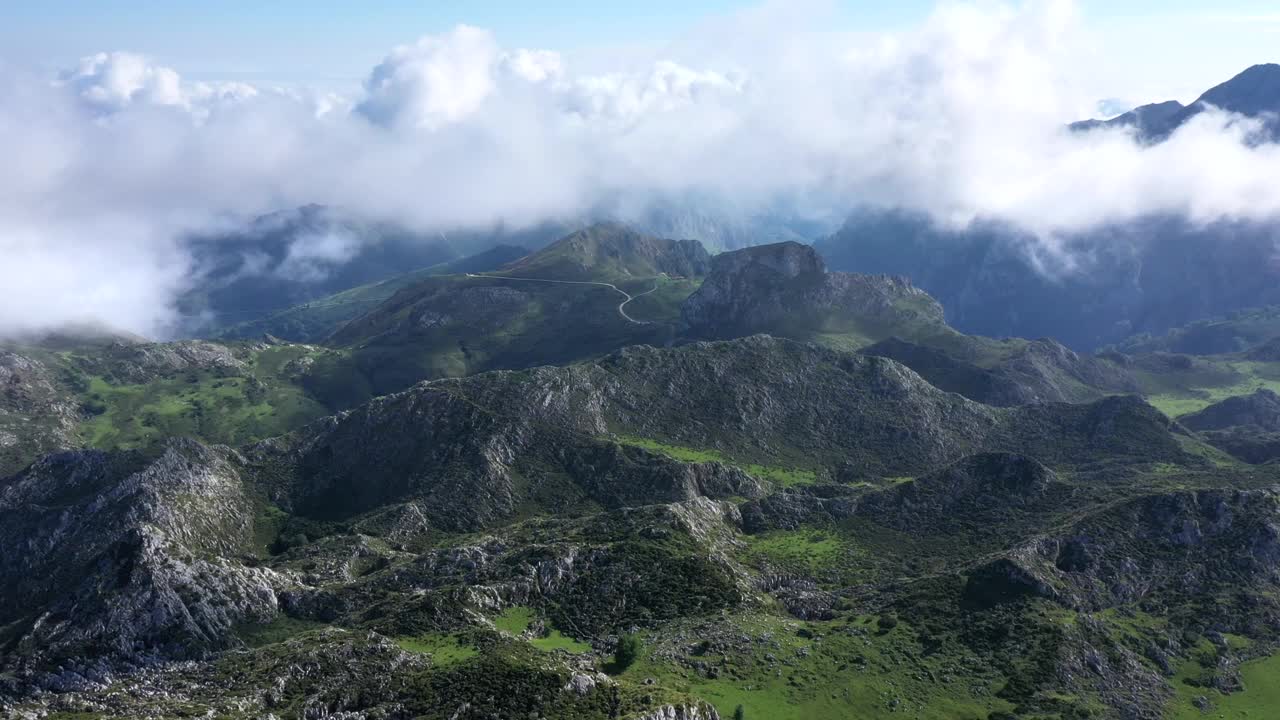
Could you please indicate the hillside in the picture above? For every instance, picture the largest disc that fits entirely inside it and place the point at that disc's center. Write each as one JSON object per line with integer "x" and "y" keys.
{"x": 506, "y": 528}
{"x": 558, "y": 305}
{"x": 314, "y": 321}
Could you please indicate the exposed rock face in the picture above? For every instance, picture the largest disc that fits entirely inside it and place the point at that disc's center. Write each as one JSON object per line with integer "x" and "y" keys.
{"x": 682, "y": 712}
{"x": 120, "y": 555}
{"x": 1260, "y": 410}
{"x": 142, "y": 362}
{"x": 1165, "y": 545}
{"x": 37, "y": 415}
{"x": 785, "y": 287}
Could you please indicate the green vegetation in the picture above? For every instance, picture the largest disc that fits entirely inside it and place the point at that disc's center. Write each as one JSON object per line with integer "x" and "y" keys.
{"x": 276, "y": 631}
{"x": 807, "y": 550}
{"x": 1205, "y": 381}
{"x": 627, "y": 652}
{"x": 782, "y": 476}
{"x": 219, "y": 405}
{"x": 1231, "y": 333}
{"x": 445, "y": 650}
{"x": 775, "y": 667}
{"x": 517, "y": 619}
{"x": 1259, "y": 698}
{"x": 315, "y": 320}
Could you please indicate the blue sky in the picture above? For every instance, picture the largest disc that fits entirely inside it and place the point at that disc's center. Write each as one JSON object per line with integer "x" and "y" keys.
{"x": 1177, "y": 47}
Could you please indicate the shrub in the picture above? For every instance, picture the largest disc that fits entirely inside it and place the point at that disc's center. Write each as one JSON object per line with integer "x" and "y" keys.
{"x": 627, "y": 652}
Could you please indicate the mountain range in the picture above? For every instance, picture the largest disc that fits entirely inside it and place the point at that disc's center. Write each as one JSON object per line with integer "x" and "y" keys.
{"x": 792, "y": 492}
{"x": 589, "y": 470}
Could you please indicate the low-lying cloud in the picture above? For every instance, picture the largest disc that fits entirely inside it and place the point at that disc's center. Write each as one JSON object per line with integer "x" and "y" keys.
{"x": 110, "y": 164}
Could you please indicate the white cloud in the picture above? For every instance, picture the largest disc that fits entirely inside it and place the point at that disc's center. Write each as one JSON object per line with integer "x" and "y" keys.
{"x": 962, "y": 117}
{"x": 313, "y": 256}
{"x": 113, "y": 81}
{"x": 435, "y": 81}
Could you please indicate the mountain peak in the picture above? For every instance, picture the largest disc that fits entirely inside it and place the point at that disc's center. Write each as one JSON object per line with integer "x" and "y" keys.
{"x": 1253, "y": 92}
{"x": 612, "y": 250}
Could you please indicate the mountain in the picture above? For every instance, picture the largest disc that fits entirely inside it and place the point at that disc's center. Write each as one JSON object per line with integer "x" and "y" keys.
{"x": 606, "y": 251}
{"x": 476, "y": 547}
{"x": 785, "y": 289}
{"x": 561, "y": 304}
{"x": 1254, "y": 93}
{"x": 1247, "y": 329}
{"x": 1146, "y": 277}
{"x": 1143, "y": 277}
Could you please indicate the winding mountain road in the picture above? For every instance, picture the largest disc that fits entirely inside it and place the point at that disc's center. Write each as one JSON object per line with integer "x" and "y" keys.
{"x": 627, "y": 297}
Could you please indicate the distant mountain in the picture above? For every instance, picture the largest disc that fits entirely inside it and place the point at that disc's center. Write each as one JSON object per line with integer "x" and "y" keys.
{"x": 1254, "y": 93}
{"x": 298, "y": 256}
{"x": 1147, "y": 276}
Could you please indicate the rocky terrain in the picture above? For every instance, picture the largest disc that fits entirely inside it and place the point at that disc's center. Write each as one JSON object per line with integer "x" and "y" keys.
{"x": 862, "y": 513}
{"x": 479, "y": 547}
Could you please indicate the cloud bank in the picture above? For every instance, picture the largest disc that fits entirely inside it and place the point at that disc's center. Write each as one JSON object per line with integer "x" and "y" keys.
{"x": 110, "y": 164}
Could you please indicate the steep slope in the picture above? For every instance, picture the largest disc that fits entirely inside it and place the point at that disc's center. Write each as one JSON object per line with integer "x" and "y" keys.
{"x": 1146, "y": 276}
{"x": 37, "y": 415}
{"x": 124, "y": 555}
{"x": 1248, "y": 330}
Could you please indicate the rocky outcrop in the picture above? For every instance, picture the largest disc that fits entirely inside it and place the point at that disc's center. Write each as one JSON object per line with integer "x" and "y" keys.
{"x": 784, "y": 289}
{"x": 37, "y": 415}
{"x": 123, "y": 555}
{"x": 1160, "y": 546}
{"x": 680, "y": 712}
{"x": 136, "y": 363}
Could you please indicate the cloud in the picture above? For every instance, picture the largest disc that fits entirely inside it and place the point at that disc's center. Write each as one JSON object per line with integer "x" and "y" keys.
{"x": 111, "y": 164}
{"x": 312, "y": 256}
